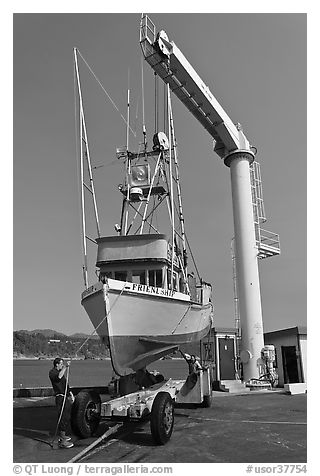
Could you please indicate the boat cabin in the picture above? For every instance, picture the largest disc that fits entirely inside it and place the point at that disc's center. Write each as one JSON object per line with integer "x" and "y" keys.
{"x": 140, "y": 259}
{"x": 144, "y": 259}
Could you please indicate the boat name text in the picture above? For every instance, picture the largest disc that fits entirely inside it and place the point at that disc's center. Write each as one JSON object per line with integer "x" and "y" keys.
{"x": 152, "y": 290}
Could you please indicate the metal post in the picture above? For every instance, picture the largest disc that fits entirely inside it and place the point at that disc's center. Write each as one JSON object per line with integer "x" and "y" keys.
{"x": 247, "y": 262}
{"x": 82, "y": 203}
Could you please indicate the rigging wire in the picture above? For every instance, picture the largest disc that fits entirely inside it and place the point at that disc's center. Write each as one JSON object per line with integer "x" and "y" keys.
{"x": 189, "y": 247}
{"x": 192, "y": 257}
{"x": 107, "y": 94}
{"x": 106, "y": 165}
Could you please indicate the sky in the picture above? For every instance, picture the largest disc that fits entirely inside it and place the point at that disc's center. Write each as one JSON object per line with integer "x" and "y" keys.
{"x": 256, "y": 66}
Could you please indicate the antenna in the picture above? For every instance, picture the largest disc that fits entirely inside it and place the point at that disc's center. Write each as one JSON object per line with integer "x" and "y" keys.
{"x": 144, "y": 131}
{"x": 128, "y": 110}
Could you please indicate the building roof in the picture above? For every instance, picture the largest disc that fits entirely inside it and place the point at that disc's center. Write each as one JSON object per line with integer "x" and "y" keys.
{"x": 299, "y": 330}
{"x": 225, "y": 330}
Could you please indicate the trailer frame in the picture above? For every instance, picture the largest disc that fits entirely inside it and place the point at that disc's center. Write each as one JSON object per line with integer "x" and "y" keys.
{"x": 155, "y": 403}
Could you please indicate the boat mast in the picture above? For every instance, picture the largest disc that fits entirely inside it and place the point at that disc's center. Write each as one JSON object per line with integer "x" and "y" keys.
{"x": 84, "y": 154}
{"x": 127, "y": 163}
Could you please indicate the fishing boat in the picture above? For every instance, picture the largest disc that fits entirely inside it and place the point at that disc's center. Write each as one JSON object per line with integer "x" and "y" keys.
{"x": 147, "y": 299}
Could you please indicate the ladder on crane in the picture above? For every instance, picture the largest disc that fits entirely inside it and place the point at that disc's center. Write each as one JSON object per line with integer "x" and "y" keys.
{"x": 268, "y": 243}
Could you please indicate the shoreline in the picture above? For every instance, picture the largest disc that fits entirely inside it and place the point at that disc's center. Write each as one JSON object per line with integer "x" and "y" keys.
{"x": 77, "y": 358}
{"x": 65, "y": 358}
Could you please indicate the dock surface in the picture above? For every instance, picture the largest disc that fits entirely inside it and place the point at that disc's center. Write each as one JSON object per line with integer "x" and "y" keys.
{"x": 259, "y": 427}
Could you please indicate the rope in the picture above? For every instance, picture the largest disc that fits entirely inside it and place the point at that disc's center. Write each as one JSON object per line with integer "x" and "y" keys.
{"x": 95, "y": 329}
{"x": 184, "y": 315}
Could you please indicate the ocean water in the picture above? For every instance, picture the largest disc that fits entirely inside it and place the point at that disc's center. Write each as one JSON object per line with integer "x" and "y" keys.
{"x": 34, "y": 373}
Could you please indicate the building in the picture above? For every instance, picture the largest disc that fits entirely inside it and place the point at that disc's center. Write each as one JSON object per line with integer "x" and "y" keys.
{"x": 220, "y": 348}
{"x": 291, "y": 353}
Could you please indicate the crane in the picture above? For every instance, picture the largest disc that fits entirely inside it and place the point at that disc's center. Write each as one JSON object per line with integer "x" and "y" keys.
{"x": 233, "y": 147}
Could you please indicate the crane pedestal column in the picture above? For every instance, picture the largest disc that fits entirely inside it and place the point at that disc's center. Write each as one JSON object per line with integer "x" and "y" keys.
{"x": 246, "y": 252}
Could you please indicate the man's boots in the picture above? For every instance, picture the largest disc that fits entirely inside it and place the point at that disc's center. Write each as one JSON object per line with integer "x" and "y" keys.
{"x": 65, "y": 440}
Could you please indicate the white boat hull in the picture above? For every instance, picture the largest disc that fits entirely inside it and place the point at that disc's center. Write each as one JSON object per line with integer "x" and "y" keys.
{"x": 141, "y": 323}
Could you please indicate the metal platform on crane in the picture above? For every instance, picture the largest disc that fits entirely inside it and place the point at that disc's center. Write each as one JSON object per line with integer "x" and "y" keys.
{"x": 268, "y": 244}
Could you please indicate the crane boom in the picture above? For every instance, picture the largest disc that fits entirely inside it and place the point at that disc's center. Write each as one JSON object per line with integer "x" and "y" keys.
{"x": 171, "y": 65}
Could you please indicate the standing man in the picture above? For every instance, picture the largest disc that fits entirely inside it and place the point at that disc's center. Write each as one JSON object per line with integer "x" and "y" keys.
{"x": 64, "y": 400}
{"x": 193, "y": 363}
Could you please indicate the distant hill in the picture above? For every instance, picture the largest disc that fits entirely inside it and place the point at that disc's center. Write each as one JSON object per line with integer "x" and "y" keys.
{"x": 50, "y": 334}
{"x": 81, "y": 335}
{"x": 44, "y": 343}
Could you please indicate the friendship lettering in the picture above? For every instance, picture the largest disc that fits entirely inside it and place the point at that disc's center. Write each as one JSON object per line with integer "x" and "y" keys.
{"x": 152, "y": 289}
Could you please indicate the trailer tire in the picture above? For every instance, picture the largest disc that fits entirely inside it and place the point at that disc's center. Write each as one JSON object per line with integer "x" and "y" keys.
{"x": 162, "y": 418}
{"x": 207, "y": 401}
{"x": 86, "y": 411}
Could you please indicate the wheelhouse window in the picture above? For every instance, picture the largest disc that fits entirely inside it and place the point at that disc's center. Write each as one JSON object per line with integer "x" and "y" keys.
{"x": 159, "y": 281}
{"x": 155, "y": 277}
{"x": 120, "y": 275}
{"x": 182, "y": 285}
{"x": 139, "y": 276}
{"x": 104, "y": 276}
{"x": 152, "y": 277}
{"x": 174, "y": 280}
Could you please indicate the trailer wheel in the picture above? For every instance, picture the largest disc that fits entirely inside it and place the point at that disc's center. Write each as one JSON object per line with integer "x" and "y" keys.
{"x": 86, "y": 411}
{"x": 207, "y": 401}
{"x": 162, "y": 418}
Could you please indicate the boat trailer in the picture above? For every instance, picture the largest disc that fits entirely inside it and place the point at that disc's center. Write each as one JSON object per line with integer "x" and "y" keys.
{"x": 155, "y": 403}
